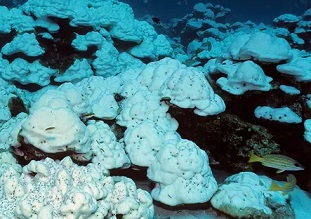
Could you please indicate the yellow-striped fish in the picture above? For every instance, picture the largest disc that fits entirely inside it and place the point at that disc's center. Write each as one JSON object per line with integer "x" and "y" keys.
{"x": 286, "y": 187}
{"x": 277, "y": 161}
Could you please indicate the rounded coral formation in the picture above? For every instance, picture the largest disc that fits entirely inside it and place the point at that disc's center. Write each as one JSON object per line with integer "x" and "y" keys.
{"x": 53, "y": 134}
{"x": 63, "y": 189}
{"x": 182, "y": 175}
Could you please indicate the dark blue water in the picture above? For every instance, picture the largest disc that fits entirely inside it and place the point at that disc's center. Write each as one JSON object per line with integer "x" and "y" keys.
{"x": 241, "y": 10}
{"x": 12, "y": 3}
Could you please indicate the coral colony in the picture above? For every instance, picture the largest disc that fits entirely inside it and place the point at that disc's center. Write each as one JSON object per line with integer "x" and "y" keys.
{"x": 89, "y": 95}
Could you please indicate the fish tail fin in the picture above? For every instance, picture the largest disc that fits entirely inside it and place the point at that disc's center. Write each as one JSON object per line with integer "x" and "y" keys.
{"x": 285, "y": 193}
{"x": 254, "y": 158}
{"x": 274, "y": 187}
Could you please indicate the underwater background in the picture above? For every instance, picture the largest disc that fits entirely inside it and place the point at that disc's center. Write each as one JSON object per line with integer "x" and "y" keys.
{"x": 241, "y": 10}
{"x": 155, "y": 109}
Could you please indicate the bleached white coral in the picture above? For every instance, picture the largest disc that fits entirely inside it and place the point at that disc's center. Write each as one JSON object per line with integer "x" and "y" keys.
{"x": 65, "y": 190}
{"x": 77, "y": 71}
{"x": 143, "y": 141}
{"x": 300, "y": 68}
{"x": 264, "y": 48}
{"x": 9, "y": 131}
{"x": 282, "y": 114}
{"x": 100, "y": 92}
{"x": 188, "y": 88}
{"x": 8, "y": 91}
{"x": 307, "y": 133}
{"x": 51, "y": 98}
{"x": 106, "y": 61}
{"x": 75, "y": 95}
{"x": 8, "y": 161}
{"x": 129, "y": 201}
{"x": 246, "y": 194}
{"x": 47, "y": 130}
{"x": 184, "y": 86}
{"x": 25, "y": 73}
{"x": 144, "y": 105}
{"x": 106, "y": 149}
{"x": 82, "y": 42}
{"x": 25, "y": 43}
{"x": 5, "y": 25}
{"x": 248, "y": 76}
{"x": 152, "y": 47}
{"x": 182, "y": 174}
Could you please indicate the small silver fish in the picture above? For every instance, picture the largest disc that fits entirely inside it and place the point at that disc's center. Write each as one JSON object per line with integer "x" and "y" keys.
{"x": 88, "y": 115}
{"x": 49, "y": 128}
{"x": 277, "y": 161}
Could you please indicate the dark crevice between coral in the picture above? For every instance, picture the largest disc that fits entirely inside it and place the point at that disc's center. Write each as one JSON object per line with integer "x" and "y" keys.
{"x": 31, "y": 87}
{"x": 7, "y": 37}
{"x": 145, "y": 60}
{"x": 229, "y": 139}
{"x": 25, "y": 153}
{"x": 136, "y": 173}
{"x": 123, "y": 46}
{"x": 59, "y": 53}
{"x": 183, "y": 207}
{"x": 20, "y": 55}
{"x": 16, "y": 106}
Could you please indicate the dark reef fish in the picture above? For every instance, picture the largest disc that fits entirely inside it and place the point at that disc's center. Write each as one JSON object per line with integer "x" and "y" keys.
{"x": 156, "y": 20}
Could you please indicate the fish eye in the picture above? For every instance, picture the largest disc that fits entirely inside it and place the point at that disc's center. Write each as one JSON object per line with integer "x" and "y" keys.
{"x": 297, "y": 164}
